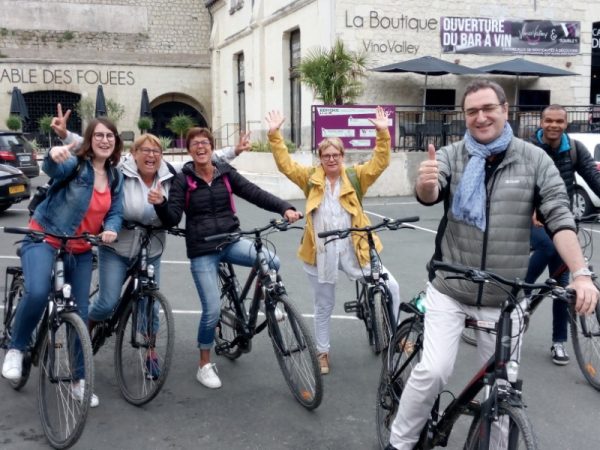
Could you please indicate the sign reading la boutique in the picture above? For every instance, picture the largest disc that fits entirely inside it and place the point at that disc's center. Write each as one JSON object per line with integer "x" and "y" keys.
{"x": 36, "y": 75}
{"x": 379, "y": 21}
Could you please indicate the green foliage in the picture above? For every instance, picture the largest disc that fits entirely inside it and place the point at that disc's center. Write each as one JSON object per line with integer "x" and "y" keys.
{"x": 114, "y": 110}
{"x": 14, "y": 122}
{"x": 68, "y": 35}
{"x": 85, "y": 109}
{"x": 180, "y": 124}
{"x": 145, "y": 124}
{"x": 34, "y": 144}
{"x": 265, "y": 147}
{"x": 165, "y": 142}
{"x": 335, "y": 75}
{"x": 44, "y": 123}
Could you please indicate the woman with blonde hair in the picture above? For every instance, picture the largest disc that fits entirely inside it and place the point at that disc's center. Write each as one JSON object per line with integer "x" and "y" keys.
{"x": 332, "y": 203}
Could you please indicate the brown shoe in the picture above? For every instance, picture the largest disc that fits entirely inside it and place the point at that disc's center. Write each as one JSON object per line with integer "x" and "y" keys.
{"x": 324, "y": 362}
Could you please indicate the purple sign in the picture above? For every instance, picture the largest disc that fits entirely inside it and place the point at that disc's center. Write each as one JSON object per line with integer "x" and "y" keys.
{"x": 485, "y": 35}
{"x": 351, "y": 124}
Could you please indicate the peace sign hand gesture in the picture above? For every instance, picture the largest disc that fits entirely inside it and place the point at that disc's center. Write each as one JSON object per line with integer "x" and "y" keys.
{"x": 59, "y": 123}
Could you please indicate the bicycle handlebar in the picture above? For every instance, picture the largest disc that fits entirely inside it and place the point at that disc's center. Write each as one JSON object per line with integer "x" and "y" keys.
{"x": 482, "y": 276}
{"x": 279, "y": 224}
{"x": 390, "y": 224}
{"x": 39, "y": 236}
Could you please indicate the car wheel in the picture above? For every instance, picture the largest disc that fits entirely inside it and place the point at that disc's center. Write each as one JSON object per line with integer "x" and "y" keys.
{"x": 582, "y": 205}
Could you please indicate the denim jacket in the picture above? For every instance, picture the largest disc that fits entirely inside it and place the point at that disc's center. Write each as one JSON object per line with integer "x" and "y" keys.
{"x": 63, "y": 210}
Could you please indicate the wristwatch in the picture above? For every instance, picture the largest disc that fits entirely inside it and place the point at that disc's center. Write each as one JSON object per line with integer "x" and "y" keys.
{"x": 583, "y": 272}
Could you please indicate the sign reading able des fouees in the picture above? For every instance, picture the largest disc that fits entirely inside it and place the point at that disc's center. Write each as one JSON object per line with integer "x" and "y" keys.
{"x": 34, "y": 75}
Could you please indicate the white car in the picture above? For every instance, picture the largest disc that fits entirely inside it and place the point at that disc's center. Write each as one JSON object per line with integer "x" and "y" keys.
{"x": 584, "y": 200}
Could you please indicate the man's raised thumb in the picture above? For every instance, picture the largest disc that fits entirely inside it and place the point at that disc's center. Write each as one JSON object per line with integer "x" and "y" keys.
{"x": 431, "y": 152}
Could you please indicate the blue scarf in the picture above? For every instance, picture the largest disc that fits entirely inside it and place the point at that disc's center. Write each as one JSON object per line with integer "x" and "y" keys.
{"x": 469, "y": 200}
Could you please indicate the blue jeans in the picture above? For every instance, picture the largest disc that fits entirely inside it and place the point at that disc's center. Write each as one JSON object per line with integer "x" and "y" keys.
{"x": 205, "y": 274}
{"x": 112, "y": 269}
{"x": 37, "y": 260}
{"x": 545, "y": 254}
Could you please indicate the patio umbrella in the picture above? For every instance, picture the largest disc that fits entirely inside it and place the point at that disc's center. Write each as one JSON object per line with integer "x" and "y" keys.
{"x": 427, "y": 65}
{"x": 522, "y": 67}
{"x": 23, "y": 106}
{"x": 100, "y": 103}
{"x": 145, "y": 110}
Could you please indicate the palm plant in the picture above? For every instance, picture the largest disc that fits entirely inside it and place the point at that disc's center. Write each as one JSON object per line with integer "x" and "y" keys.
{"x": 45, "y": 124}
{"x": 180, "y": 124}
{"x": 335, "y": 75}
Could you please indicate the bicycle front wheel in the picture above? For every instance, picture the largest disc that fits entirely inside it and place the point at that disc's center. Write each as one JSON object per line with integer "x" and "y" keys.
{"x": 144, "y": 347}
{"x": 66, "y": 362}
{"x": 295, "y": 352}
{"x": 585, "y": 332}
{"x": 513, "y": 431}
{"x": 402, "y": 356}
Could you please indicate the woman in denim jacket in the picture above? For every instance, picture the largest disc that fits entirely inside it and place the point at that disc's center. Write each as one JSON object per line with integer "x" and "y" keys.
{"x": 91, "y": 202}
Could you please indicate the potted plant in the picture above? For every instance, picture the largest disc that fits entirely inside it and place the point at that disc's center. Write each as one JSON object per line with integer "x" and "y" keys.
{"x": 14, "y": 122}
{"x": 145, "y": 123}
{"x": 165, "y": 142}
{"x": 44, "y": 123}
{"x": 180, "y": 124}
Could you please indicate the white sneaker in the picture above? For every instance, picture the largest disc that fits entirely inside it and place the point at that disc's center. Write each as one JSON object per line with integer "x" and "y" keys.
{"x": 207, "y": 376}
{"x": 13, "y": 365}
{"x": 77, "y": 390}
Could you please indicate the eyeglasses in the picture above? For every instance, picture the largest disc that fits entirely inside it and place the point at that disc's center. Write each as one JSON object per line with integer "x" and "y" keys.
{"x": 486, "y": 109}
{"x": 151, "y": 151}
{"x": 203, "y": 143}
{"x": 100, "y": 136}
{"x": 333, "y": 156}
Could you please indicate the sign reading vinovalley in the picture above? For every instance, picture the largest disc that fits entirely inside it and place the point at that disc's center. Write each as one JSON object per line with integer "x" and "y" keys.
{"x": 484, "y": 35}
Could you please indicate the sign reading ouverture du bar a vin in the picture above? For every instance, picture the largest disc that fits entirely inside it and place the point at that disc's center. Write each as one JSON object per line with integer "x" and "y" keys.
{"x": 350, "y": 123}
{"x": 484, "y": 35}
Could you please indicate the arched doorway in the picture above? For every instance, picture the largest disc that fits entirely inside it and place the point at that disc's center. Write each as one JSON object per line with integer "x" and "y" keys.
{"x": 164, "y": 111}
{"x": 41, "y": 103}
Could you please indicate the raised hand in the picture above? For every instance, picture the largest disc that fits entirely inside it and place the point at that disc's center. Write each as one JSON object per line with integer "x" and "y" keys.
{"x": 274, "y": 120}
{"x": 427, "y": 186}
{"x": 61, "y": 153}
{"x": 155, "y": 195}
{"x": 244, "y": 144}
{"x": 59, "y": 123}
{"x": 381, "y": 118}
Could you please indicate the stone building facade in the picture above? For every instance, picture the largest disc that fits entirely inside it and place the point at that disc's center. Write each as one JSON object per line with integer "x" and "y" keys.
{"x": 62, "y": 50}
{"x": 263, "y": 37}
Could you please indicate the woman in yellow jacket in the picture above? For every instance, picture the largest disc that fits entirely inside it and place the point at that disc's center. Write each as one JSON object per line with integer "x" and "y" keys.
{"x": 332, "y": 203}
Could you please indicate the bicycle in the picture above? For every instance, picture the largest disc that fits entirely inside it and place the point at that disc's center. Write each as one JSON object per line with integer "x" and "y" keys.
{"x": 60, "y": 346}
{"x": 144, "y": 326}
{"x": 498, "y": 377}
{"x": 373, "y": 304}
{"x": 292, "y": 343}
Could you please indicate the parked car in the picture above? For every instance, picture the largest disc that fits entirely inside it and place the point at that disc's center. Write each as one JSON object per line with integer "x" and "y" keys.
{"x": 14, "y": 186}
{"x": 16, "y": 151}
{"x": 584, "y": 200}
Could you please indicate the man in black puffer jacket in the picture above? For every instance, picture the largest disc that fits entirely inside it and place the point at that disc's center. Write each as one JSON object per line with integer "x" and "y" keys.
{"x": 569, "y": 156}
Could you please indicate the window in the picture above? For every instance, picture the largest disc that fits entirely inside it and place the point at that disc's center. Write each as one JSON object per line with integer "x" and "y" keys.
{"x": 533, "y": 100}
{"x": 235, "y": 5}
{"x": 295, "y": 88}
{"x": 241, "y": 92}
{"x": 436, "y": 99}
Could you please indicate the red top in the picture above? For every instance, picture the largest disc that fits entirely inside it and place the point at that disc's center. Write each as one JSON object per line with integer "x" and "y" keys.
{"x": 91, "y": 223}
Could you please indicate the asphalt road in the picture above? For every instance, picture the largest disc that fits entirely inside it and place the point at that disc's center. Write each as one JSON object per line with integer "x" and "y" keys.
{"x": 254, "y": 409}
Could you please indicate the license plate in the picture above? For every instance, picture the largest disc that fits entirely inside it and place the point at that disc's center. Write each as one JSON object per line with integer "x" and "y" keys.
{"x": 24, "y": 158}
{"x": 16, "y": 189}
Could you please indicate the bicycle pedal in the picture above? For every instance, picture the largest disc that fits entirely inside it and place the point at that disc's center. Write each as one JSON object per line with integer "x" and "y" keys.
{"x": 222, "y": 348}
{"x": 351, "y": 306}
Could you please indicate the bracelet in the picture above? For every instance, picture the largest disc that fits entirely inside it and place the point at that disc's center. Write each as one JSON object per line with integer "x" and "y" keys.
{"x": 583, "y": 272}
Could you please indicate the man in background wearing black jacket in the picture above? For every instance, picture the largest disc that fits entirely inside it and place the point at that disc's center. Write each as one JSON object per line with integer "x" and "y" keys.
{"x": 570, "y": 156}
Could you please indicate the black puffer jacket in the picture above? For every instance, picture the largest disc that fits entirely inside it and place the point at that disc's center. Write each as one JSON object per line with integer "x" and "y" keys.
{"x": 585, "y": 165}
{"x": 208, "y": 208}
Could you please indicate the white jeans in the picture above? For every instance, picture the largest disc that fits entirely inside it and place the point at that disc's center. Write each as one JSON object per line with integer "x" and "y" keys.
{"x": 444, "y": 322}
{"x": 324, "y": 301}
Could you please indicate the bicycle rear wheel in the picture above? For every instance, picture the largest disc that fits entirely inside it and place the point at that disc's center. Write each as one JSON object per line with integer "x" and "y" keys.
{"x": 227, "y": 328}
{"x": 295, "y": 352}
{"x": 66, "y": 358}
{"x": 15, "y": 294}
{"x": 585, "y": 332}
{"x": 380, "y": 333}
{"x": 517, "y": 431}
{"x": 144, "y": 347}
{"x": 401, "y": 357}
